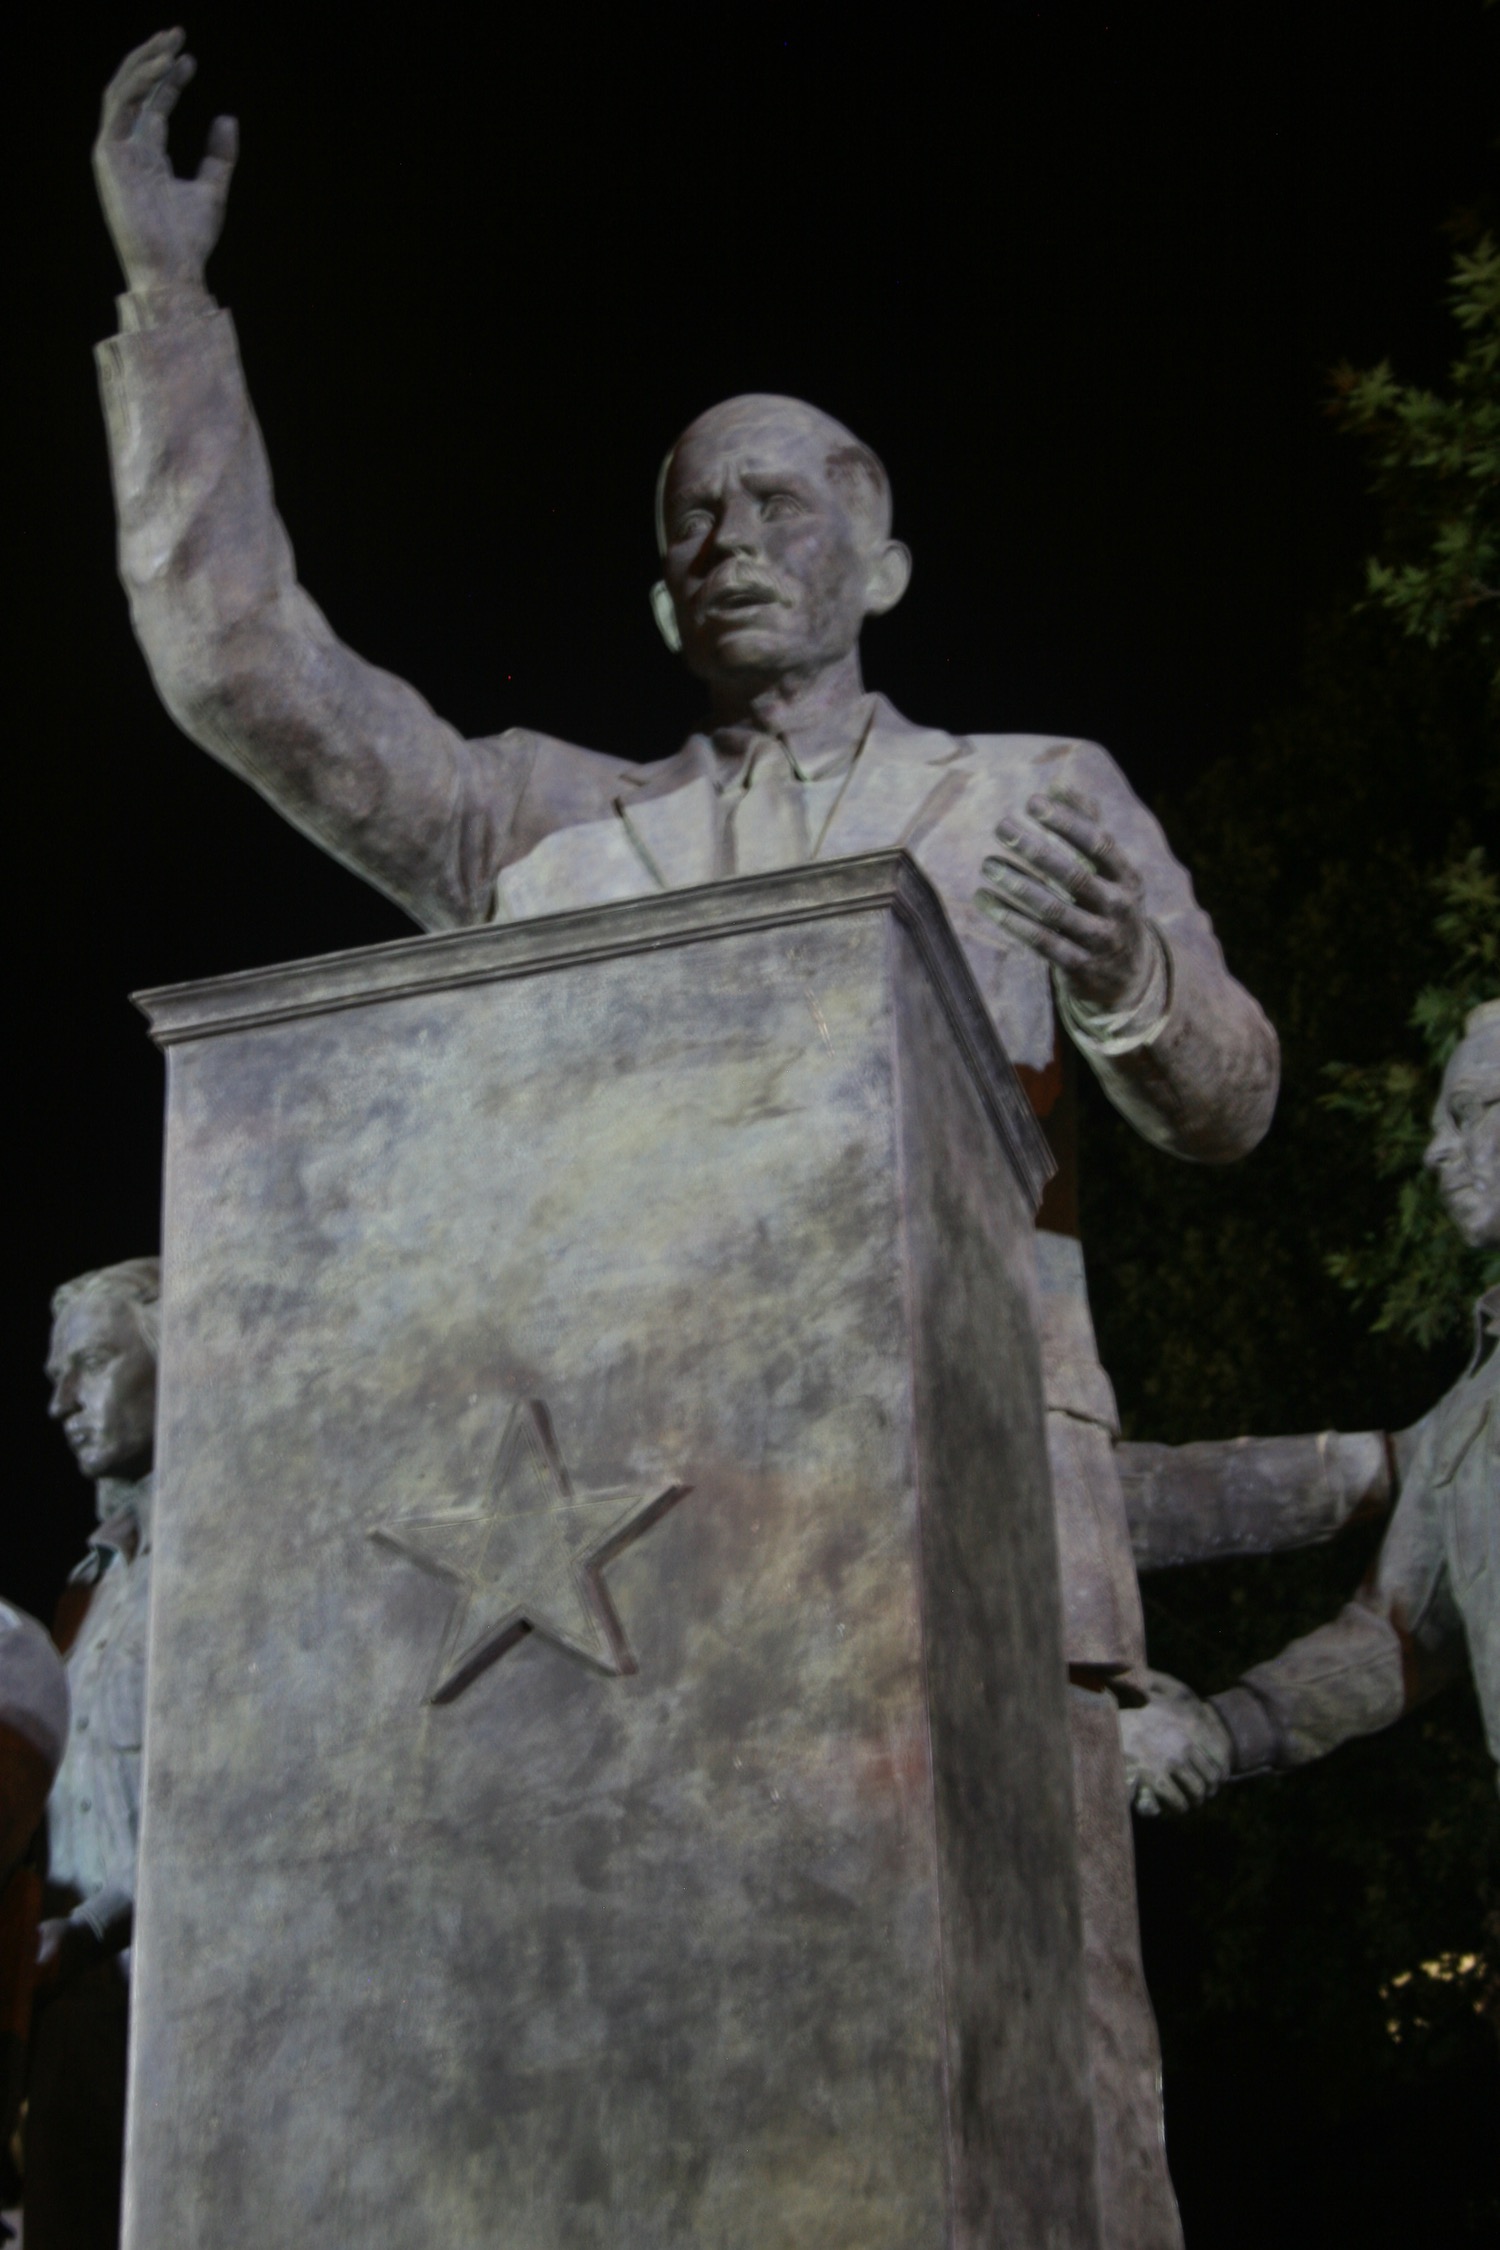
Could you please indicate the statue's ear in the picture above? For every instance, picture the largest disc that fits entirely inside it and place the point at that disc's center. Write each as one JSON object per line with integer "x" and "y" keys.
{"x": 666, "y": 616}
{"x": 889, "y": 576}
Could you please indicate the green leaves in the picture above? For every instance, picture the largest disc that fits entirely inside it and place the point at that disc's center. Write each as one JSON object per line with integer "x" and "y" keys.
{"x": 1437, "y": 461}
{"x": 1347, "y": 853}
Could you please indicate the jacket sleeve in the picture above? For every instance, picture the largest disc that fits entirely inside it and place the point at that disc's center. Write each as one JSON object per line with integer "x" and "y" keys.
{"x": 1396, "y": 1643}
{"x": 1195, "y": 1070}
{"x": 1248, "y": 1496}
{"x": 248, "y": 665}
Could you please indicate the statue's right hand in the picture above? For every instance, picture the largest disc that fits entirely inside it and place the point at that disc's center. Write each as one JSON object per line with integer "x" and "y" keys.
{"x": 163, "y": 227}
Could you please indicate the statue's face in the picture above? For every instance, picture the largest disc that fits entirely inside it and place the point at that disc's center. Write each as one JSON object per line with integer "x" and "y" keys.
{"x": 103, "y": 1378}
{"x": 770, "y": 570}
{"x": 1465, "y": 1147}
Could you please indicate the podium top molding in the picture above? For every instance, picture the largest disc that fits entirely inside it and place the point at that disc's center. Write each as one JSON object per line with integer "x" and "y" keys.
{"x": 874, "y": 882}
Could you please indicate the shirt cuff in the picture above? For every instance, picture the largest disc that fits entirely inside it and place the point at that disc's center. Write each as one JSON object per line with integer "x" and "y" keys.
{"x": 165, "y": 306}
{"x": 1117, "y": 1031}
{"x": 109, "y": 1914}
{"x": 1253, "y": 1733}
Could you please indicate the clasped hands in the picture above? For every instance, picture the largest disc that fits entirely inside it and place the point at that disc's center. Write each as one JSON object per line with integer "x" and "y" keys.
{"x": 1064, "y": 888}
{"x": 1178, "y": 1751}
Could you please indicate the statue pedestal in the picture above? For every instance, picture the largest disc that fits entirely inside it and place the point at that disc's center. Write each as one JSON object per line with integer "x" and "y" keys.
{"x": 607, "y": 1779}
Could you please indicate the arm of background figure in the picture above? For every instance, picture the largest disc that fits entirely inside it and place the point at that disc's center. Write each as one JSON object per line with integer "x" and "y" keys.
{"x": 1249, "y": 1496}
{"x": 1396, "y": 1643}
{"x": 245, "y": 661}
{"x": 101, "y": 1926}
{"x": 1195, "y": 1068}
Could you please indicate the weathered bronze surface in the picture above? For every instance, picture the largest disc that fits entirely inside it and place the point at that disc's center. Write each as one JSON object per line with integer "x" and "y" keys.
{"x": 772, "y": 1941}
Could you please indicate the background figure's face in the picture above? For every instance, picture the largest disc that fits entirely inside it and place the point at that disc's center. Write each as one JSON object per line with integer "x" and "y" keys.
{"x": 771, "y": 572}
{"x": 103, "y": 1378}
{"x": 1465, "y": 1147}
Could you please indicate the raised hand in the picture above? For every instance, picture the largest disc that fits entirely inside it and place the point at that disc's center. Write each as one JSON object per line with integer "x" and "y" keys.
{"x": 1064, "y": 888}
{"x": 163, "y": 228}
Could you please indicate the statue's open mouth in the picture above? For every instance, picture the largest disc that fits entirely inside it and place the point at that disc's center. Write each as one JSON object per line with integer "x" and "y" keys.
{"x": 740, "y": 597}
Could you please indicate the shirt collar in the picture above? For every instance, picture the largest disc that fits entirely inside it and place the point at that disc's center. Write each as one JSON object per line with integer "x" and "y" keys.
{"x": 819, "y": 751}
{"x": 125, "y": 1527}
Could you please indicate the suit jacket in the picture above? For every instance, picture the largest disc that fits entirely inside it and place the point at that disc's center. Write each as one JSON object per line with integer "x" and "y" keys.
{"x": 460, "y": 832}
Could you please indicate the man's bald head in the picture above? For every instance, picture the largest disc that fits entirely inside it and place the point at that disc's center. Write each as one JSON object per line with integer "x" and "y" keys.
{"x": 774, "y": 523}
{"x": 855, "y": 471}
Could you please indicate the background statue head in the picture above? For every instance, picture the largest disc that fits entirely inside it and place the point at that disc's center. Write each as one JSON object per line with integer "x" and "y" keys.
{"x": 774, "y": 526}
{"x": 1464, "y": 1150}
{"x": 106, "y": 1329}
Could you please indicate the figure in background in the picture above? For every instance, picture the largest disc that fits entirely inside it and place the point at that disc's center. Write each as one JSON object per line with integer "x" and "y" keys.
{"x": 33, "y": 1735}
{"x": 1430, "y": 1604}
{"x": 102, "y": 1367}
{"x": 774, "y": 528}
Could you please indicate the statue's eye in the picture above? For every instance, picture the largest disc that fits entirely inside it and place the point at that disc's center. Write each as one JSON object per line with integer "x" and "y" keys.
{"x": 780, "y": 504}
{"x": 692, "y": 525}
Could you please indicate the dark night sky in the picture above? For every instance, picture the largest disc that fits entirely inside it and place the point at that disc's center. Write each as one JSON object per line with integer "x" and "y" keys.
{"x": 1077, "y": 273}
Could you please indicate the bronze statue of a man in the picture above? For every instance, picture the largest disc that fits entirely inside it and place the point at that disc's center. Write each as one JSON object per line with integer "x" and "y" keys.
{"x": 775, "y": 535}
{"x": 102, "y": 1367}
{"x": 1430, "y": 1604}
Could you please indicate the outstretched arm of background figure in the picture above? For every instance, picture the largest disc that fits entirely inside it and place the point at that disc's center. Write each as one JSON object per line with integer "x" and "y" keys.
{"x": 242, "y": 658}
{"x": 1396, "y": 1643}
{"x": 1250, "y": 1496}
{"x": 1087, "y": 880}
{"x": 1177, "y": 1748}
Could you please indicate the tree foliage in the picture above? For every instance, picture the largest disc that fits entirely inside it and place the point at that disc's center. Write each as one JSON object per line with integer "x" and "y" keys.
{"x": 1318, "y": 1944}
{"x": 1437, "y": 461}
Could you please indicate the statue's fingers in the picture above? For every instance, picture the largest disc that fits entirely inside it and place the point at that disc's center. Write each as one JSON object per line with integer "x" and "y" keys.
{"x": 1061, "y": 816}
{"x": 1196, "y": 1784}
{"x": 162, "y": 99}
{"x": 1050, "y": 944}
{"x": 1093, "y": 937}
{"x": 1145, "y": 1801}
{"x": 1068, "y": 793}
{"x": 1037, "y": 852}
{"x": 136, "y": 78}
{"x": 1027, "y": 895}
{"x": 220, "y": 152}
{"x": 1066, "y": 816}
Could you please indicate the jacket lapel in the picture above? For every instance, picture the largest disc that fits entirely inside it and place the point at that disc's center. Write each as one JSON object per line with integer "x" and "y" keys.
{"x": 677, "y": 834}
{"x": 904, "y": 781}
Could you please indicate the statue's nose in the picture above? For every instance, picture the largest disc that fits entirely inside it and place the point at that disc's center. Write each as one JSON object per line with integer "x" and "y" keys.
{"x": 738, "y": 528}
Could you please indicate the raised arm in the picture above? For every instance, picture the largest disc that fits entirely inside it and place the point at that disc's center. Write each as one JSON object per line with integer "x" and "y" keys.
{"x": 245, "y": 662}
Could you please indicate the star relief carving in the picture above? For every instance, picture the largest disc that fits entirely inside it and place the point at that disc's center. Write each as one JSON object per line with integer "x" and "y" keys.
{"x": 529, "y": 1557}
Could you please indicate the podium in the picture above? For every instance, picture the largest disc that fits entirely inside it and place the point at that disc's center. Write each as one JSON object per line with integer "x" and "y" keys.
{"x": 606, "y": 1777}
